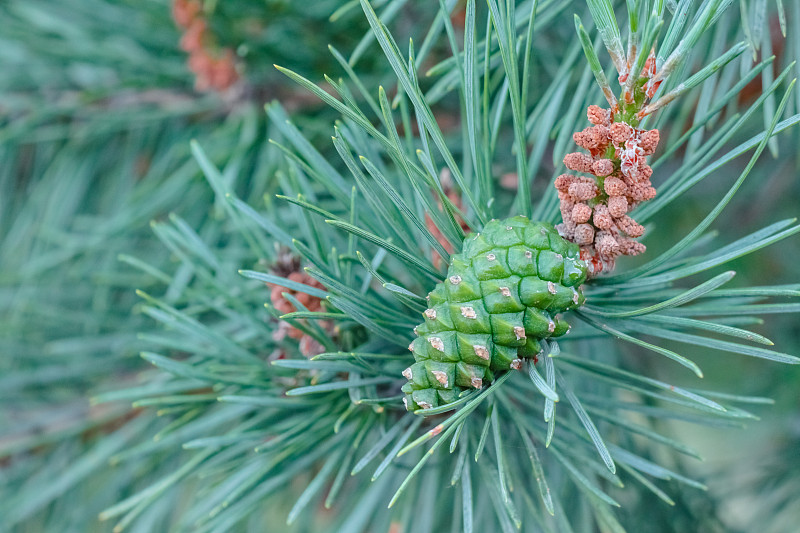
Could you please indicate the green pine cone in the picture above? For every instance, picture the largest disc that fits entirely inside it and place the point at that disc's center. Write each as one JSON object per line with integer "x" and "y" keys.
{"x": 501, "y": 297}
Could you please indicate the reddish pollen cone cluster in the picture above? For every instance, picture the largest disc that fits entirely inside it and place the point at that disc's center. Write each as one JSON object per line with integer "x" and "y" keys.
{"x": 616, "y": 179}
{"x": 308, "y": 346}
{"x": 215, "y": 70}
{"x": 454, "y": 196}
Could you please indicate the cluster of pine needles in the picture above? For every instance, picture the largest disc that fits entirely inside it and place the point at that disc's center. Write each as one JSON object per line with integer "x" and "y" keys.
{"x": 208, "y": 290}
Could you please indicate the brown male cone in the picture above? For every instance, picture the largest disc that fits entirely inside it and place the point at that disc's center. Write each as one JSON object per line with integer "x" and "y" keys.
{"x": 594, "y": 209}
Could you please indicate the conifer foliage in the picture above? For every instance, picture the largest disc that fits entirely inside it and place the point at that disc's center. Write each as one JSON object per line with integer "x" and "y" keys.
{"x": 393, "y": 339}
